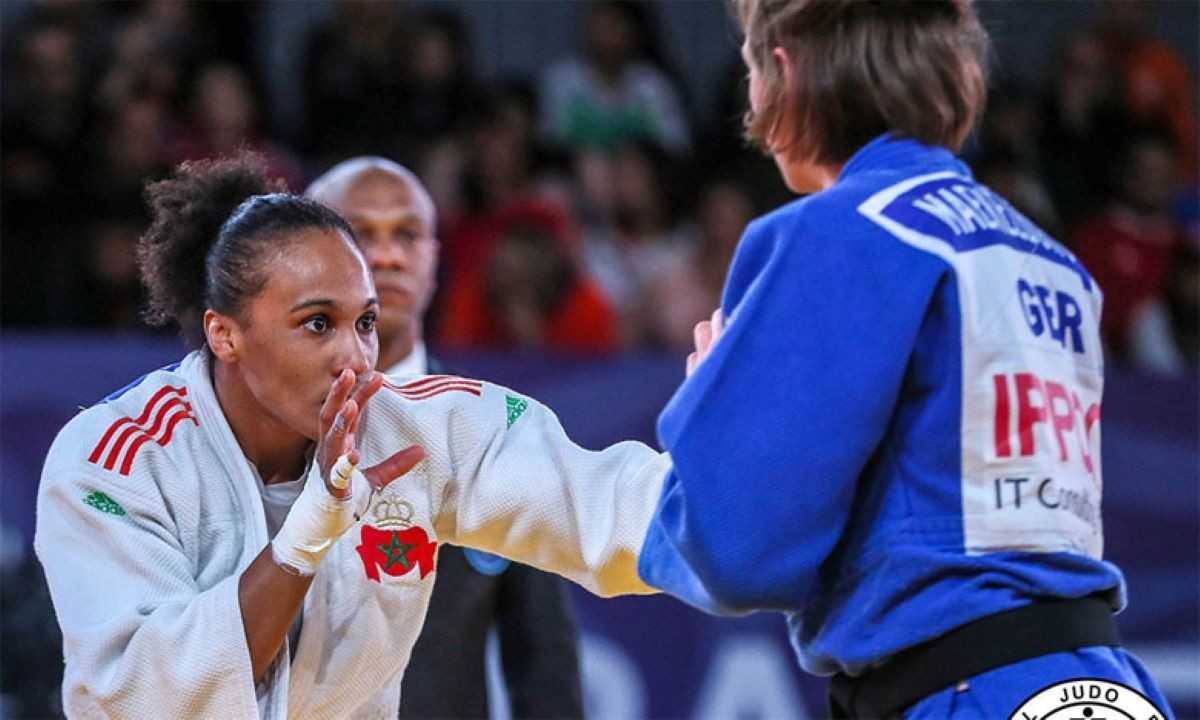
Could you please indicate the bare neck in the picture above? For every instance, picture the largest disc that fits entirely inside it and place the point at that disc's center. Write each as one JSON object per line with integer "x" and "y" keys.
{"x": 276, "y": 450}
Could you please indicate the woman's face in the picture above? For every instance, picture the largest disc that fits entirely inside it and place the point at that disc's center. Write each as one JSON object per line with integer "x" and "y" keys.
{"x": 314, "y": 318}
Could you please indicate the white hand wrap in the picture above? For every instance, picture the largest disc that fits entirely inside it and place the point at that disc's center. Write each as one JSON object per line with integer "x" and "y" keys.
{"x": 317, "y": 518}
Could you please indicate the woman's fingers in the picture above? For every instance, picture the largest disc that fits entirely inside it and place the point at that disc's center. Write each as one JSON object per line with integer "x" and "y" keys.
{"x": 339, "y": 391}
{"x": 702, "y": 336}
{"x": 339, "y": 426}
{"x": 343, "y": 428}
{"x": 398, "y": 464}
{"x": 337, "y": 442}
{"x": 367, "y": 388}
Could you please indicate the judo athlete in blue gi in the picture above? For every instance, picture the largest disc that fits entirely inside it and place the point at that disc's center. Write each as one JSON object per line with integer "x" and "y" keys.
{"x": 895, "y": 437}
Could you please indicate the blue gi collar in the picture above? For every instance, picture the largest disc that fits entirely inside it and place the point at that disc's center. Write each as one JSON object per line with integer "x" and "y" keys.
{"x": 890, "y": 152}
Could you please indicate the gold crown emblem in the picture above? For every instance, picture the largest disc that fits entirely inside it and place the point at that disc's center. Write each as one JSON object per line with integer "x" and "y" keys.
{"x": 393, "y": 513}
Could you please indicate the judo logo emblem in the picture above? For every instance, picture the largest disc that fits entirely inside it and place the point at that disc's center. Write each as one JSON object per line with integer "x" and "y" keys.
{"x": 393, "y": 544}
{"x": 1087, "y": 699}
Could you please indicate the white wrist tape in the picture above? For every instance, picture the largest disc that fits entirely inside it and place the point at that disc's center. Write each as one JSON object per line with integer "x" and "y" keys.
{"x": 317, "y": 518}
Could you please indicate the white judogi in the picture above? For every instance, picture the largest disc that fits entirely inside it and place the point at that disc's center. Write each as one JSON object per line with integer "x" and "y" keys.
{"x": 148, "y": 512}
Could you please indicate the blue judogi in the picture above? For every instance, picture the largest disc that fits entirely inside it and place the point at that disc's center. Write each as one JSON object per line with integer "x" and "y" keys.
{"x": 898, "y": 431}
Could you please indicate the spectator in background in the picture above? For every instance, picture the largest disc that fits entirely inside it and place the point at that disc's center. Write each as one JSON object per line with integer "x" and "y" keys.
{"x": 158, "y": 44}
{"x": 442, "y": 163}
{"x": 394, "y": 223}
{"x": 1165, "y": 332}
{"x": 111, "y": 294}
{"x": 1156, "y": 86}
{"x": 45, "y": 101}
{"x": 439, "y": 90}
{"x": 1082, "y": 122}
{"x": 1009, "y": 159}
{"x": 1017, "y": 181}
{"x": 502, "y": 173}
{"x": 529, "y": 292}
{"x": 225, "y": 120}
{"x": 354, "y": 86}
{"x": 44, "y": 128}
{"x": 92, "y": 107}
{"x": 129, "y": 148}
{"x": 142, "y": 98}
{"x": 594, "y": 190}
{"x": 194, "y": 32}
{"x": 640, "y": 240}
{"x": 1012, "y": 124}
{"x": 146, "y": 60}
{"x": 1127, "y": 245}
{"x": 687, "y": 292}
{"x": 611, "y": 94}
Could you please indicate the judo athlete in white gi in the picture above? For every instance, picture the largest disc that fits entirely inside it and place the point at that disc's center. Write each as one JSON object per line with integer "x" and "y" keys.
{"x": 194, "y": 575}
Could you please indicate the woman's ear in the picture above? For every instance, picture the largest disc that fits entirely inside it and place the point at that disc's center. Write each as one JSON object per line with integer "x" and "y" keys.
{"x": 784, "y": 65}
{"x": 223, "y": 335}
{"x": 782, "y": 130}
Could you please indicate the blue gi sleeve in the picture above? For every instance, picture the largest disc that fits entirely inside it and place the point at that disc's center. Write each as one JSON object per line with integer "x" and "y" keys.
{"x": 769, "y": 436}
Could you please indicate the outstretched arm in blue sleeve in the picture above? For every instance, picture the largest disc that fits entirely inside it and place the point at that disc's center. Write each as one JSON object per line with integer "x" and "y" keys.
{"x": 770, "y": 434}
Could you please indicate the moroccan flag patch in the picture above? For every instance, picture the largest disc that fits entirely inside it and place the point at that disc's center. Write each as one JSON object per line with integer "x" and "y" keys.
{"x": 396, "y": 552}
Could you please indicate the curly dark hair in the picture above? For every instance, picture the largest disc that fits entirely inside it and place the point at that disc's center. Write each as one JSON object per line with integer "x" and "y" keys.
{"x": 212, "y": 223}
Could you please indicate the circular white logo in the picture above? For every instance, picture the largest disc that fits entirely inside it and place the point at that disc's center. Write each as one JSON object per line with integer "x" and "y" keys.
{"x": 1087, "y": 699}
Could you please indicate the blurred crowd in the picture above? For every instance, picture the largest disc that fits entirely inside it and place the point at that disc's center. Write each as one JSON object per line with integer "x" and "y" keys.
{"x": 590, "y": 209}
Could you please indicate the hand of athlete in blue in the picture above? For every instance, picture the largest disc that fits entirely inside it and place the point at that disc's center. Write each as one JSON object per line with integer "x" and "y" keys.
{"x": 705, "y": 335}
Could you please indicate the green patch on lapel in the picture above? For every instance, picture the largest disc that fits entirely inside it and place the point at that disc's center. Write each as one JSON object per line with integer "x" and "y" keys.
{"x": 516, "y": 407}
{"x": 104, "y": 503}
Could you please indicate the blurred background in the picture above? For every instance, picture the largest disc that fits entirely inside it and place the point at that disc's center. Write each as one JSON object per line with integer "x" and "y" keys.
{"x": 640, "y": 190}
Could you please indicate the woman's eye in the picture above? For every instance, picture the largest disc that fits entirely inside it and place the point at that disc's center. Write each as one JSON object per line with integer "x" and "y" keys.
{"x": 366, "y": 323}
{"x": 317, "y": 323}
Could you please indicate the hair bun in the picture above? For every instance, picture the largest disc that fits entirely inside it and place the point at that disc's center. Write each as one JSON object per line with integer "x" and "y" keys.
{"x": 188, "y": 210}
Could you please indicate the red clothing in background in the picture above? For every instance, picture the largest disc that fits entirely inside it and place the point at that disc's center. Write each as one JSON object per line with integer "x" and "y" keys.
{"x": 1127, "y": 254}
{"x": 583, "y": 322}
{"x": 582, "y": 318}
{"x": 469, "y": 239}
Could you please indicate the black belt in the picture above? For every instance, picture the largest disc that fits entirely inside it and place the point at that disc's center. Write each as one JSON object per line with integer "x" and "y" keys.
{"x": 990, "y": 642}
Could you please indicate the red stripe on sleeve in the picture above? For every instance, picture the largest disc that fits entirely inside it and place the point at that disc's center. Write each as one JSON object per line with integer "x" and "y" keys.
{"x": 130, "y": 431}
{"x": 182, "y": 414}
{"x": 473, "y": 388}
{"x": 99, "y": 449}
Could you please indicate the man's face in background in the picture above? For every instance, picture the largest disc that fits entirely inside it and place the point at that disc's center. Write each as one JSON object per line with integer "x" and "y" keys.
{"x": 394, "y": 224}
